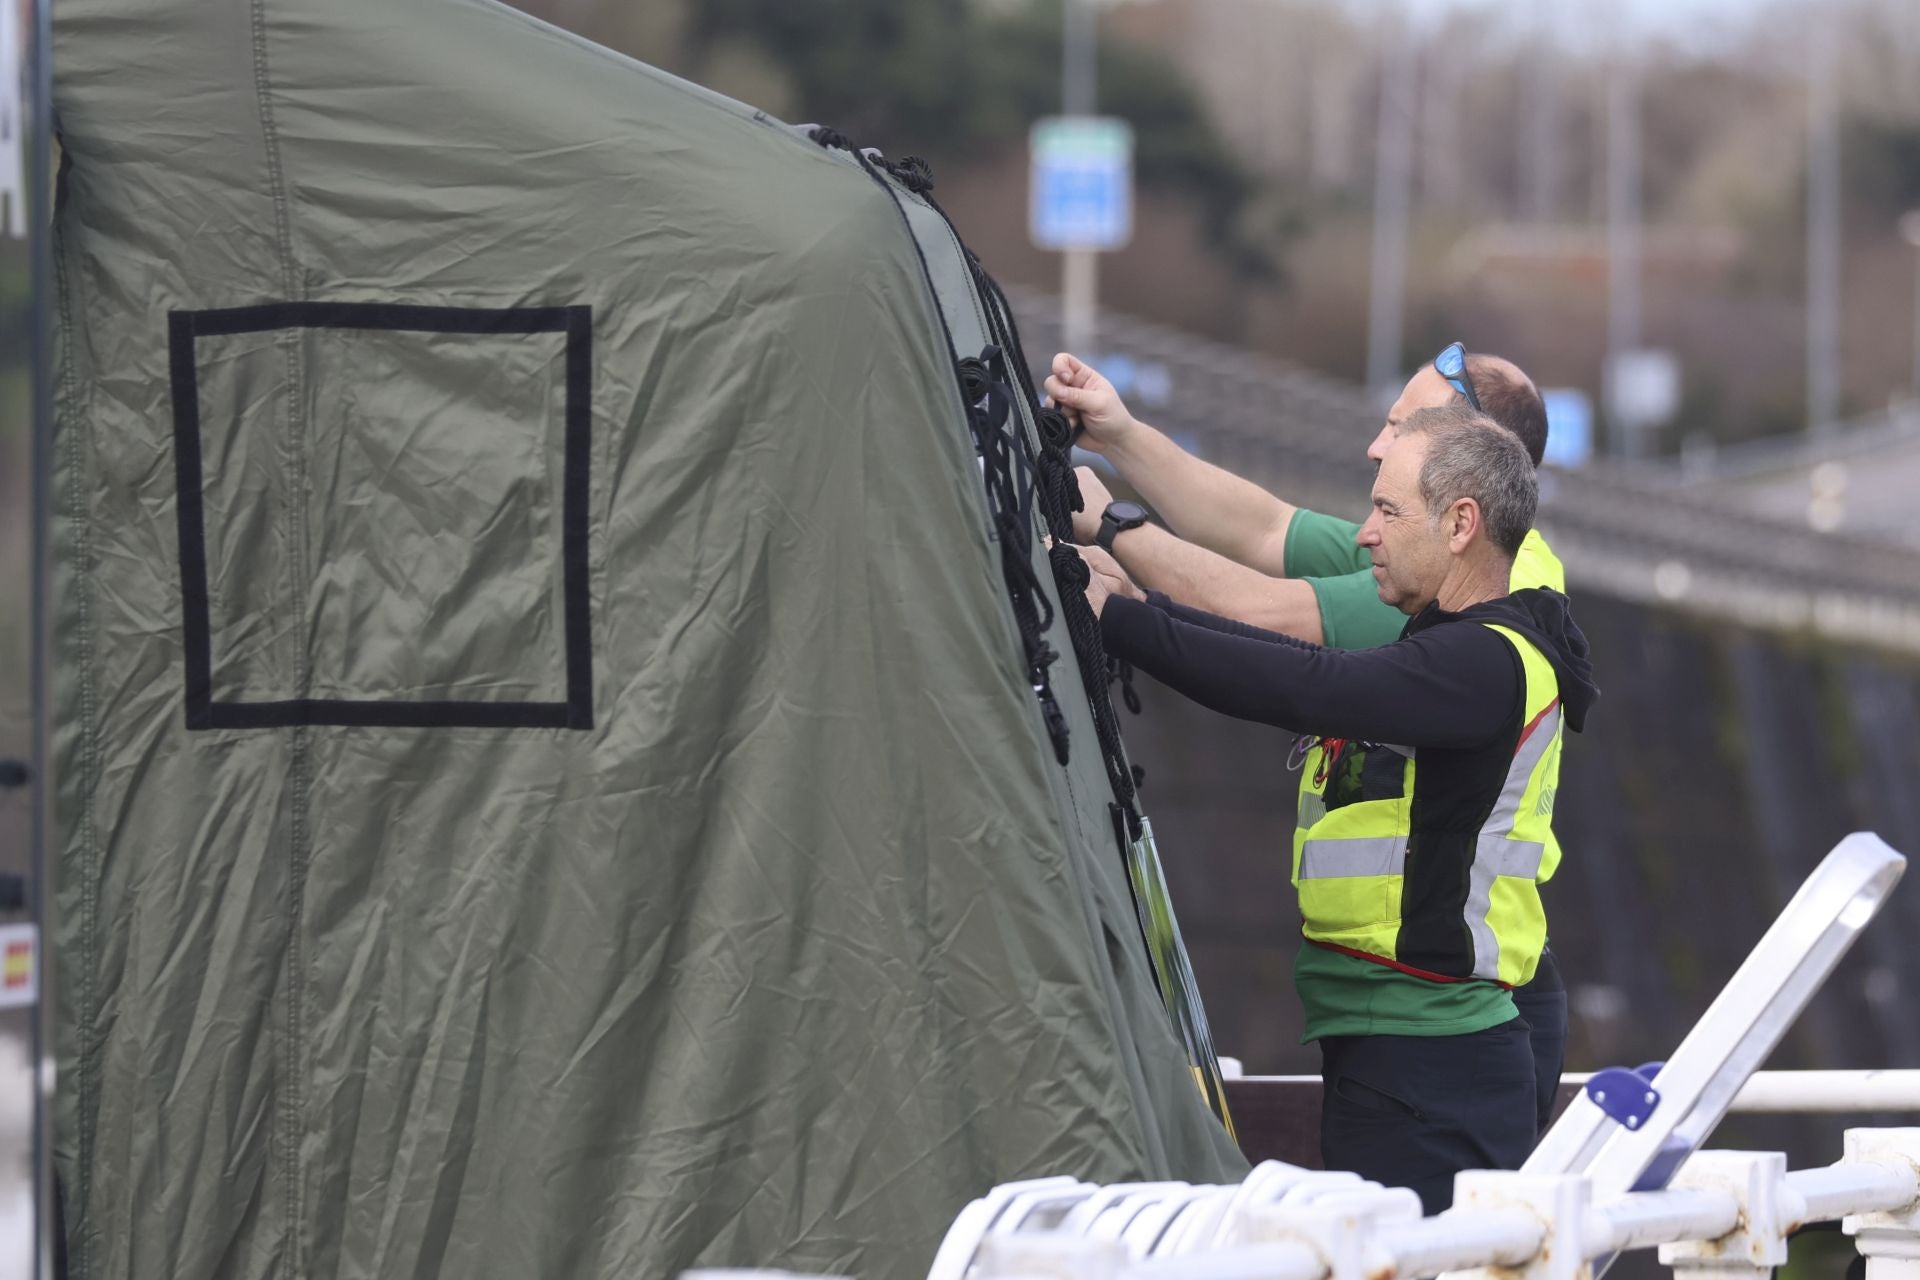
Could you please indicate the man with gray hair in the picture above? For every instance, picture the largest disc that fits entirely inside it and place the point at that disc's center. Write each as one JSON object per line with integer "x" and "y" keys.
{"x": 1430, "y": 768}
{"x": 1232, "y": 548}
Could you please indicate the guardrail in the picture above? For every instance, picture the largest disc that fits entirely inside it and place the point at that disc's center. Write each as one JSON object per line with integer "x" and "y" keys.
{"x": 1278, "y": 1117}
{"x": 1765, "y": 1092}
{"x": 1626, "y": 532}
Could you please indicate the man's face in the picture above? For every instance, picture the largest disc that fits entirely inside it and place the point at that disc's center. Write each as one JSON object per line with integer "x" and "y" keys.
{"x": 1425, "y": 390}
{"x": 1410, "y": 556}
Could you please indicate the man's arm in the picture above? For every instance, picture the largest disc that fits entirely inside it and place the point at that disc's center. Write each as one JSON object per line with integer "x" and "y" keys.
{"x": 1206, "y": 505}
{"x": 1450, "y": 686}
{"x": 1195, "y": 576}
{"x": 1210, "y": 507}
{"x": 1331, "y": 598}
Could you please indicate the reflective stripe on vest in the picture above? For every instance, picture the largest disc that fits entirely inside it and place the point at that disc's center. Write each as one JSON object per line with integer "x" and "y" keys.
{"x": 1496, "y": 853}
{"x": 1312, "y": 806}
{"x": 1356, "y": 856}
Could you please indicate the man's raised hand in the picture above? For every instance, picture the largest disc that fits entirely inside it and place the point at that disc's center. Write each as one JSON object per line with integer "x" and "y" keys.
{"x": 1113, "y": 579}
{"x": 1106, "y": 579}
{"x": 1077, "y": 387}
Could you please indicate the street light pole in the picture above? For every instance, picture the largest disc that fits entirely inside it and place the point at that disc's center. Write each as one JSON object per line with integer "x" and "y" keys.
{"x": 1392, "y": 198}
{"x": 1823, "y": 230}
{"x": 1539, "y": 184}
{"x": 1910, "y": 232}
{"x": 1623, "y": 240}
{"x": 1079, "y": 92}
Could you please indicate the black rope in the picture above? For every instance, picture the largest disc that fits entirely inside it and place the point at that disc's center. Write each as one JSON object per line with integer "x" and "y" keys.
{"x": 1008, "y": 474}
{"x": 1059, "y": 498}
{"x": 1059, "y": 495}
{"x": 915, "y": 174}
{"x": 1059, "y": 489}
{"x": 1015, "y": 479}
{"x": 830, "y": 138}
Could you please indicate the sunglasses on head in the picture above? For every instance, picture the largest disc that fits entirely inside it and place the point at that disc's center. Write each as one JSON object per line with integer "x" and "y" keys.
{"x": 1451, "y": 364}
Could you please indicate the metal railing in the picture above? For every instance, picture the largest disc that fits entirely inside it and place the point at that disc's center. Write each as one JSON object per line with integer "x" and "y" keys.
{"x": 1841, "y": 1093}
{"x": 1624, "y": 532}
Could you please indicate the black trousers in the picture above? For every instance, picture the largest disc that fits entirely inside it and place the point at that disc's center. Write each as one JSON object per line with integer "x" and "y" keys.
{"x": 1412, "y": 1111}
{"x": 1543, "y": 1007}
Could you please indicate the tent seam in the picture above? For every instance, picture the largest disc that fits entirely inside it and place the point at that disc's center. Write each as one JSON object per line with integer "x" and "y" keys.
{"x": 291, "y": 1063}
{"x": 270, "y": 138}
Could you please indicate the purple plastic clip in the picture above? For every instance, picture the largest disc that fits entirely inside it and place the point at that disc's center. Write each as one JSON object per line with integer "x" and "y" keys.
{"x": 1626, "y": 1095}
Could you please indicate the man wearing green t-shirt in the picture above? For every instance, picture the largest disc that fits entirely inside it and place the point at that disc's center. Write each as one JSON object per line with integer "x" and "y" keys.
{"x": 1246, "y": 554}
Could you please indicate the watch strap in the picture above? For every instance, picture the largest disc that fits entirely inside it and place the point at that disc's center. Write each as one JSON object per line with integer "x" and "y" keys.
{"x": 1111, "y": 528}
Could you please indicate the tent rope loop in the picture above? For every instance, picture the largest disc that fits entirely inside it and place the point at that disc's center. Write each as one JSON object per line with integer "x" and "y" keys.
{"x": 1014, "y": 478}
{"x": 829, "y": 137}
{"x": 1008, "y": 474}
{"x": 1059, "y": 497}
{"x": 915, "y": 174}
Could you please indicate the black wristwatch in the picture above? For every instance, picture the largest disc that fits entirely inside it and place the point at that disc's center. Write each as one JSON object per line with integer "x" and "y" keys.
{"x": 1116, "y": 520}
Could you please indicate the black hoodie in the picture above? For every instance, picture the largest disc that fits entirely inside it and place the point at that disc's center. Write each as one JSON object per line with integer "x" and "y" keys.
{"x": 1449, "y": 692}
{"x": 1440, "y": 685}
{"x": 1544, "y": 617}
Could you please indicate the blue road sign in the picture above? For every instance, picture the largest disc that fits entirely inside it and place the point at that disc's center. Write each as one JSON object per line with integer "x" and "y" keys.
{"x": 1569, "y": 426}
{"x": 1082, "y": 183}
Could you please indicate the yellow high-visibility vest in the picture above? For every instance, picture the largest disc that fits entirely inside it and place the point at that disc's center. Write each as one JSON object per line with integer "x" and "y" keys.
{"x": 1535, "y": 565}
{"x": 1350, "y": 859}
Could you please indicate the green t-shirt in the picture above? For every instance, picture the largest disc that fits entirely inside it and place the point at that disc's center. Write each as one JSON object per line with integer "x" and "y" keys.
{"x": 1322, "y": 551}
{"x": 1341, "y": 994}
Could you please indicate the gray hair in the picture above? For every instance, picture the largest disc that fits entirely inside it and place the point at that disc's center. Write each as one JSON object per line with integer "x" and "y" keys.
{"x": 1469, "y": 455}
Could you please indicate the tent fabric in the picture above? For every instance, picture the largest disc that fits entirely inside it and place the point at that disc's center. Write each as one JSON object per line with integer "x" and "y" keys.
{"x": 546, "y": 781}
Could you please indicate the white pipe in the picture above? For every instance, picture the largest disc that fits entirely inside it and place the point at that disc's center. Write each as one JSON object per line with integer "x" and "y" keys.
{"x": 1784, "y": 1092}
{"x": 1648, "y": 1218}
{"x": 1837, "y": 1092}
{"x": 1460, "y": 1240}
{"x": 1818, "y": 1092}
{"x": 1843, "y": 1189}
{"x": 1252, "y": 1262}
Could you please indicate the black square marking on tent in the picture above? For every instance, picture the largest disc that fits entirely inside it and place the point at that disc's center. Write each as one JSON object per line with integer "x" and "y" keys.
{"x": 202, "y": 710}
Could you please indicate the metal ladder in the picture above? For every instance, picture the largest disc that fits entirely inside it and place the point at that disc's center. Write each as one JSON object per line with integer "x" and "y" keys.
{"x": 1630, "y": 1130}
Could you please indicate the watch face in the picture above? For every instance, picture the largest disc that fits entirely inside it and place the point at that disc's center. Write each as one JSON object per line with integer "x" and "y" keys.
{"x": 1126, "y": 512}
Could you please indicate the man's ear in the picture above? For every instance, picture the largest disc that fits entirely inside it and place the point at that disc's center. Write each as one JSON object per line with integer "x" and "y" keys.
{"x": 1463, "y": 521}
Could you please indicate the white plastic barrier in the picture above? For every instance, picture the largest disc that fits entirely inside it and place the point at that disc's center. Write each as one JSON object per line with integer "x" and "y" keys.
{"x": 1728, "y": 1214}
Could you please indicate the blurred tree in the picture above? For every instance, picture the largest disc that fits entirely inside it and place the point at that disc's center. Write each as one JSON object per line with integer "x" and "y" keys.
{"x": 951, "y": 81}
{"x": 1881, "y": 157}
{"x": 654, "y": 32}
{"x": 873, "y": 69}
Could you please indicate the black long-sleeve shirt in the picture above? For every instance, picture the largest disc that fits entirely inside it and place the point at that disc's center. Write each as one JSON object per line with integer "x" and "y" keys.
{"x": 1446, "y": 687}
{"x": 1450, "y": 688}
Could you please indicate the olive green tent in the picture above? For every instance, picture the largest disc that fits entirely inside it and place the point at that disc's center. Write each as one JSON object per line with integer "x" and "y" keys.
{"x": 551, "y": 781}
